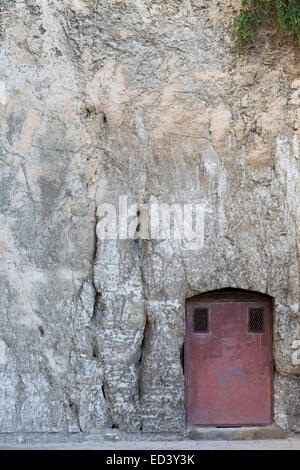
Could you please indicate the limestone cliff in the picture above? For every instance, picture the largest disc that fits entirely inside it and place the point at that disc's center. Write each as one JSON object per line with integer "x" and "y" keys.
{"x": 148, "y": 99}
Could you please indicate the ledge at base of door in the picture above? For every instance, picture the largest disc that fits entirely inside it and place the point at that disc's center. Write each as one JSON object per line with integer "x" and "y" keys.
{"x": 199, "y": 433}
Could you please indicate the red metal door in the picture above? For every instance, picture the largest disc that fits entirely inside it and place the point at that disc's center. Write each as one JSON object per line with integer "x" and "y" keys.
{"x": 228, "y": 362}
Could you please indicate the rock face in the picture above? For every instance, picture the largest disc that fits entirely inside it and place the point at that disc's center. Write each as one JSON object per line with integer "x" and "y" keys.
{"x": 144, "y": 99}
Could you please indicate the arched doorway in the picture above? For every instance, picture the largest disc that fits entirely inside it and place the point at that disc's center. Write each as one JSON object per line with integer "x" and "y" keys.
{"x": 228, "y": 359}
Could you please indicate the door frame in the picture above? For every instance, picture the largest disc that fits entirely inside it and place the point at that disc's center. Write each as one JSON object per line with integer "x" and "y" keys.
{"x": 231, "y": 295}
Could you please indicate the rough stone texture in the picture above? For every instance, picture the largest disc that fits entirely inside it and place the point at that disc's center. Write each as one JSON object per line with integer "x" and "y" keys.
{"x": 147, "y": 99}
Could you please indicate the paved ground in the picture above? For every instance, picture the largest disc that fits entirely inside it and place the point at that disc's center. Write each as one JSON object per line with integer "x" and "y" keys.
{"x": 280, "y": 444}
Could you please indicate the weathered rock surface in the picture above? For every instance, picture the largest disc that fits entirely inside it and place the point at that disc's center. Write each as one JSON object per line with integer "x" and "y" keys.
{"x": 146, "y": 99}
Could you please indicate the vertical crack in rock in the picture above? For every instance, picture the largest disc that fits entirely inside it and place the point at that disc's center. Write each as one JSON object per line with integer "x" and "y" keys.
{"x": 97, "y": 296}
{"x": 182, "y": 357}
{"x": 93, "y": 325}
{"x": 140, "y": 368}
{"x": 75, "y": 409}
{"x": 95, "y": 322}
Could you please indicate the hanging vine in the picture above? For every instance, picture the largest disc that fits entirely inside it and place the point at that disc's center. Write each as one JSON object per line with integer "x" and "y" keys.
{"x": 254, "y": 12}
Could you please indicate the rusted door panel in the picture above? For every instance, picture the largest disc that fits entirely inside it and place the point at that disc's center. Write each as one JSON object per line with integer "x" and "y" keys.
{"x": 228, "y": 368}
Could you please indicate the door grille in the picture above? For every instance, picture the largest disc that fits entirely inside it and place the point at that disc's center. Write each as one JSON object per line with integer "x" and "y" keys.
{"x": 256, "y": 320}
{"x": 201, "y": 320}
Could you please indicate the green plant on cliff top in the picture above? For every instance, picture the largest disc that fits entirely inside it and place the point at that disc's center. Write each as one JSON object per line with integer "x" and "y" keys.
{"x": 253, "y": 12}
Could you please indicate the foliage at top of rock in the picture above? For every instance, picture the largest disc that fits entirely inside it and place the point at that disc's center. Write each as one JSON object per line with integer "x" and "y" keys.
{"x": 254, "y": 12}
